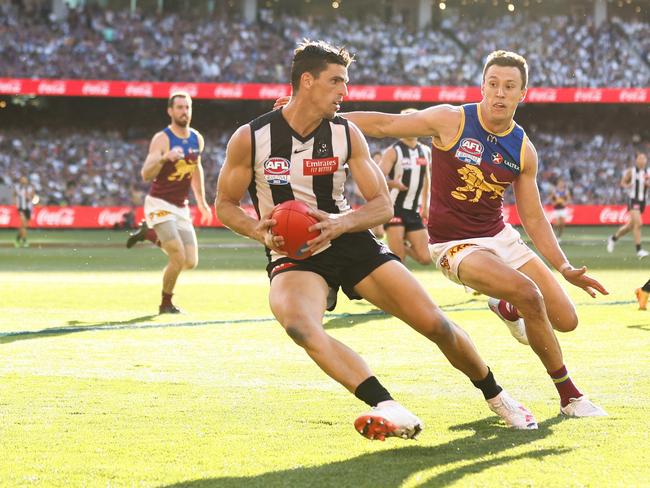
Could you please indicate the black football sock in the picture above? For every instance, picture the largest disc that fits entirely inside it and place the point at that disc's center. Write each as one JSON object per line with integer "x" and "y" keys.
{"x": 488, "y": 386}
{"x": 372, "y": 392}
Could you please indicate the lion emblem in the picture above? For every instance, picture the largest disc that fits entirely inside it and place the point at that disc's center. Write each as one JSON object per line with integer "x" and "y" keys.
{"x": 475, "y": 182}
{"x": 183, "y": 168}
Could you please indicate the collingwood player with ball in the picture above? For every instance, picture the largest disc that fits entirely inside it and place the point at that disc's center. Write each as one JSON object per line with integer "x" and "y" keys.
{"x": 303, "y": 152}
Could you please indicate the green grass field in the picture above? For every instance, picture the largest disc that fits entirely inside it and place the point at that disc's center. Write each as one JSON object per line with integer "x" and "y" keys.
{"x": 97, "y": 390}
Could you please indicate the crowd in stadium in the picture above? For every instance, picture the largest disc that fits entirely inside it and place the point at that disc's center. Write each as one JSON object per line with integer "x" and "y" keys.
{"x": 102, "y": 168}
{"x": 97, "y": 43}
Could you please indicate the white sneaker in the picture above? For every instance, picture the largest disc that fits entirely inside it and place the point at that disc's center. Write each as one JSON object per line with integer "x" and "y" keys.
{"x": 388, "y": 419}
{"x": 511, "y": 411}
{"x": 582, "y": 407}
{"x": 517, "y": 327}
{"x": 642, "y": 253}
{"x": 610, "y": 244}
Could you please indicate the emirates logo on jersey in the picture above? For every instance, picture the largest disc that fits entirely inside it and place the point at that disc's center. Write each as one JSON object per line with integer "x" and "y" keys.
{"x": 323, "y": 166}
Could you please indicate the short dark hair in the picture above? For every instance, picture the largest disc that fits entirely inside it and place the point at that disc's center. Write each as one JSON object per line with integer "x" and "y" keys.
{"x": 178, "y": 94}
{"x": 313, "y": 57}
{"x": 508, "y": 58}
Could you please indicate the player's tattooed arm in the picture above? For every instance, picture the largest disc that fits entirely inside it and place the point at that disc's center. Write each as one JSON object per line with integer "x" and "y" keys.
{"x": 234, "y": 178}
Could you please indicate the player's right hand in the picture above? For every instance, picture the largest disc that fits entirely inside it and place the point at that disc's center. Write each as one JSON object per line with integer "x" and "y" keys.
{"x": 281, "y": 102}
{"x": 264, "y": 235}
{"x": 173, "y": 155}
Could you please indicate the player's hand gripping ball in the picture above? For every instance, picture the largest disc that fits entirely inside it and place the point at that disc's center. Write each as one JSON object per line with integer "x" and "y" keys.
{"x": 293, "y": 221}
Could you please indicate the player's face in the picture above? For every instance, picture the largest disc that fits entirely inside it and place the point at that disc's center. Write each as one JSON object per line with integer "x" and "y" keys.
{"x": 502, "y": 91}
{"x": 328, "y": 90}
{"x": 641, "y": 160}
{"x": 180, "y": 112}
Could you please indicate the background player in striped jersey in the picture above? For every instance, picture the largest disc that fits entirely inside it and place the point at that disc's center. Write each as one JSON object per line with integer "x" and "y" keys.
{"x": 560, "y": 197}
{"x": 303, "y": 152}
{"x": 173, "y": 165}
{"x": 478, "y": 151}
{"x": 636, "y": 181}
{"x": 406, "y": 165}
{"x": 25, "y": 197}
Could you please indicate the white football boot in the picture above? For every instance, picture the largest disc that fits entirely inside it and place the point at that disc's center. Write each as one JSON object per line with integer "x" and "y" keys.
{"x": 582, "y": 407}
{"x": 513, "y": 413}
{"x": 642, "y": 253}
{"x": 611, "y": 243}
{"x": 517, "y": 327}
{"x": 388, "y": 419}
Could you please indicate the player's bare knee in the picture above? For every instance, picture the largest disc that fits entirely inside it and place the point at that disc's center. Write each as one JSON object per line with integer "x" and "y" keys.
{"x": 567, "y": 323}
{"x": 423, "y": 258}
{"x": 191, "y": 262}
{"x": 305, "y": 337}
{"x": 529, "y": 300}
{"x": 439, "y": 327}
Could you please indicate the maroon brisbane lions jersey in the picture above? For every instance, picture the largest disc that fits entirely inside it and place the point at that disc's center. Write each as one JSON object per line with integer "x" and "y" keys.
{"x": 469, "y": 177}
{"x": 174, "y": 180}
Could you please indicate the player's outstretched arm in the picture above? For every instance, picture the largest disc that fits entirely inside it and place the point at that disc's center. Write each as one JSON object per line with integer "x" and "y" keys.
{"x": 378, "y": 208}
{"x": 388, "y": 160}
{"x": 538, "y": 228}
{"x": 234, "y": 178}
{"x": 441, "y": 121}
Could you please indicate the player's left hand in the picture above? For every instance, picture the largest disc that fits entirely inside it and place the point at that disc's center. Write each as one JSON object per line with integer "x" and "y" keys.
{"x": 206, "y": 214}
{"x": 330, "y": 227}
{"x": 578, "y": 277}
{"x": 281, "y": 102}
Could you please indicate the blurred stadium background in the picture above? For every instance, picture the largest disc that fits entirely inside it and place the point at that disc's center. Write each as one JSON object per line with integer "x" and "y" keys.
{"x": 216, "y": 399}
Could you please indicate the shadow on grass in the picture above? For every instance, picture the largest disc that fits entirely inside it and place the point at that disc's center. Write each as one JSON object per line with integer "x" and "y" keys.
{"x": 645, "y": 327}
{"x": 351, "y": 319}
{"x": 486, "y": 447}
{"x": 72, "y": 327}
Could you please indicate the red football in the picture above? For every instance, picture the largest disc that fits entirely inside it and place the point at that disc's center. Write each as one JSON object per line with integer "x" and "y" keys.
{"x": 292, "y": 224}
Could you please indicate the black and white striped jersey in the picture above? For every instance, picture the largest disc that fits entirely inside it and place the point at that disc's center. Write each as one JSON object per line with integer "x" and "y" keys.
{"x": 287, "y": 166}
{"x": 24, "y": 196}
{"x": 410, "y": 168}
{"x": 639, "y": 189}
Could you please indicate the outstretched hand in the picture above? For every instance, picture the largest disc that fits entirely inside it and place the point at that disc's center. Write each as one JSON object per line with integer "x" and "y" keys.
{"x": 206, "y": 214}
{"x": 578, "y": 277}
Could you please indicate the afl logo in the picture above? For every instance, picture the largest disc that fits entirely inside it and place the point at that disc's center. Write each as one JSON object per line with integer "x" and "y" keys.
{"x": 277, "y": 171}
{"x": 470, "y": 151}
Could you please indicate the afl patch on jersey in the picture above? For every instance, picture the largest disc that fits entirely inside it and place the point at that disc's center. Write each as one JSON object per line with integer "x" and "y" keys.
{"x": 277, "y": 171}
{"x": 470, "y": 151}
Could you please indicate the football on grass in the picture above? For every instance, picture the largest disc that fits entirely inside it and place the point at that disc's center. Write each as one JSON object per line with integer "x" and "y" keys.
{"x": 293, "y": 221}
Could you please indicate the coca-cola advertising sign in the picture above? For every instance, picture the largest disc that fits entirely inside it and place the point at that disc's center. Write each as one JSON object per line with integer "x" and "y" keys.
{"x": 264, "y": 91}
{"x": 107, "y": 217}
{"x": 55, "y": 217}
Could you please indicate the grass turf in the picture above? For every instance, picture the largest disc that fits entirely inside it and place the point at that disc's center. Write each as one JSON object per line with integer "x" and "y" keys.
{"x": 96, "y": 390}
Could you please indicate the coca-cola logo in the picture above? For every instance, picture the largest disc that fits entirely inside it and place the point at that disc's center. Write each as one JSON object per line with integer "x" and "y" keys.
{"x": 410, "y": 94}
{"x": 63, "y": 217}
{"x": 11, "y": 86}
{"x": 273, "y": 91}
{"x": 609, "y": 215}
{"x": 542, "y": 95}
{"x": 634, "y": 96}
{"x": 100, "y": 88}
{"x": 593, "y": 95}
{"x": 452, "y": 94}
{"x": 51, "y": 88}
{"x": 108, "y": 218}
{"x": 362, "y": 93}
{"x": 192, "y": 89}
{"x": 139, "y": 90}
{"x": 5, "y": 216}
{"x": 228, "y": 91}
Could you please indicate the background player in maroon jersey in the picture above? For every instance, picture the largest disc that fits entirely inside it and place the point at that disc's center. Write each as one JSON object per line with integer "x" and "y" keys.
{"x": 174, "y": 165}
{"x": 480, "y": 259}
{"x": 353, "y": 259}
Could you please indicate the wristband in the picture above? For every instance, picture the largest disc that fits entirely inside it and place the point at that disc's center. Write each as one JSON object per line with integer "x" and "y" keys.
{"x": 564, "y": 267}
